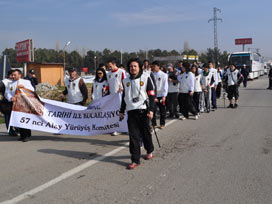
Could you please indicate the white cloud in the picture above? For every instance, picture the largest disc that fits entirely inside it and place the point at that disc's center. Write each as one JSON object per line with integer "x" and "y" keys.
{"x": 156, "y": 15}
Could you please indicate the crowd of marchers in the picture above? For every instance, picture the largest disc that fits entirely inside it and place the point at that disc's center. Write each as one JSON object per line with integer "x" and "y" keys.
{"x": 149, "y": 90}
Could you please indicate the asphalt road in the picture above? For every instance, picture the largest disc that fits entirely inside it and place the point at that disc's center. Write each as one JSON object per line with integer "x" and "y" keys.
{"x": 225, "y": 157}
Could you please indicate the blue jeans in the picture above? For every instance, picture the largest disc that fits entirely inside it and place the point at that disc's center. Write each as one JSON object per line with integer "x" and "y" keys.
{"x": 213, "y": 98}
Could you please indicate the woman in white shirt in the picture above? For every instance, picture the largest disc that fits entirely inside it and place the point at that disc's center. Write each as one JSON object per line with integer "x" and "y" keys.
{"x": 100, "y": 86}
{"x": 198, "y": 88}
{"x": 186, "y": 91}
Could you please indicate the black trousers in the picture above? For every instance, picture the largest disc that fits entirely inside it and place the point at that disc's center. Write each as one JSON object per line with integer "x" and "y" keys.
{"x": 139, "y": 126}
{"x": 245, "y": 81}
{"x": 233, "y": 91}
{"x": 270, "y": 82}
{"x": 196, "y": 98}
{"x": 162, "y": 108}
{"x": 218, "y": 90}
{"x": 186, "y": 104}
{"x": 172, "y": 103}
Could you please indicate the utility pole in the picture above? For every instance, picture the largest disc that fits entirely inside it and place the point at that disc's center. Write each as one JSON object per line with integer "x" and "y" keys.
{"x": 215, "y": 19}
{"x": 121, "y": 56}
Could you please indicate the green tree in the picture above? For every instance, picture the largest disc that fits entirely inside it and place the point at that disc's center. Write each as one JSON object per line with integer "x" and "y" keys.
{"x": 189, "y": 52}
{"x": 11, "y": 53}
{"x": 75, "y": 60}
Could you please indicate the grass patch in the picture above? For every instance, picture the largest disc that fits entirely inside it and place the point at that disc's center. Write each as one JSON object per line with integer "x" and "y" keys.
{"x": 2, "y": 120}
{"x": 55, "y": 94}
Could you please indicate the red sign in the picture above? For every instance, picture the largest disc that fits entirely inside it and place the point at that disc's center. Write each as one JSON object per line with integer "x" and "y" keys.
{"x": 24, "y": 51}
{"x": 243, "y": 41}
{"x": 85, "y": 69}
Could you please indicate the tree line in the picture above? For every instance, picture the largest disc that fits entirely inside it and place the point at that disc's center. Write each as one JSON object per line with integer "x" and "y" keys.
{"x": 92, "y": 59}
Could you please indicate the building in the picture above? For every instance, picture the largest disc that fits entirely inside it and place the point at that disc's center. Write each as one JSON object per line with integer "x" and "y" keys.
{"x": 52, "y": 73}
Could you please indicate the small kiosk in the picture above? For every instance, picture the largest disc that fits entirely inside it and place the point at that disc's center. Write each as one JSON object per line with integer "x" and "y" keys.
{"x": 52, "y": 73}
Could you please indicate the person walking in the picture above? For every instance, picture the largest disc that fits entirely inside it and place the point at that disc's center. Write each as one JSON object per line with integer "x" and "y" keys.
{"x": 138, "y": 100}
{"x": 186, "y": 86}
{"x": 214, "y": 85}
{"x": 115, "y": 77}
{"x": 10, "y": 95}
{"x": 100, "y": 86}
{"x": 5, "y": 105}
{"x": 245, "y": 73}
{"x": 234, "y": 78}
{"x": 172, "y": 96}
{"x": 207, "y": 80}
{"x": 198, "y": 88}
{"x": 219, "y": 85}
{"x": 270, "y": 78}
{"x": 161, "y": 80}
{"x": 75, "y": 89}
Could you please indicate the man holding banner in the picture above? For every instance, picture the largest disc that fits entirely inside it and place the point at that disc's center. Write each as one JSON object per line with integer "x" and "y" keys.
{"x": 75, "y": 88}
{"x": 138, "y": 100}
{"x": 18, "y": 82}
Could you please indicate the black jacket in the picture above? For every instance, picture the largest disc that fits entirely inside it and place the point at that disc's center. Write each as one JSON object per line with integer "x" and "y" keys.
{"x": 33, "y": 81}
{"x": 5, "y": 105}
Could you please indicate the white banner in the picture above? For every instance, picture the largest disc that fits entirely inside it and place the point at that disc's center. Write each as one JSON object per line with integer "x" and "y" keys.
{"x": 100, "y": 117}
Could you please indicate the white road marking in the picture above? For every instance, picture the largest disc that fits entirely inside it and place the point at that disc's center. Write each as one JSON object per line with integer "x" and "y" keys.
{"x": 69, "y": 173}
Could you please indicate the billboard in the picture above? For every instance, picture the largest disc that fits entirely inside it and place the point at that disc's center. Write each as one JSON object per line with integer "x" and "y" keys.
{"x": 243, "y": 41}
{"x": 24, "y": 51}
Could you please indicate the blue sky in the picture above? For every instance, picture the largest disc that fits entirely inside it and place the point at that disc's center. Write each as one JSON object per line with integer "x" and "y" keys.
{"x": 133, "y": 25}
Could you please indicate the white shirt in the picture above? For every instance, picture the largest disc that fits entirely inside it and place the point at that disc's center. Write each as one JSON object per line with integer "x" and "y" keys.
{"x": 219, "y": 76}
{"x": 173, "y": 87}
{"x": 198, "y": 87}
{"x": 136, "y": 89}
{"x": 215, "y": 76}
{"x": 206, "y": 80}
{"x": 74, "y": 93}
{"x": 10, "y": 91}
{"x": 186, "y": 82}
{"x": 161, "y": 80}
{"x": 232, "y": 77}
{"x": 115, "y": 79}
{"x": 98, "y": 89}
{"x": 6, "y": 82}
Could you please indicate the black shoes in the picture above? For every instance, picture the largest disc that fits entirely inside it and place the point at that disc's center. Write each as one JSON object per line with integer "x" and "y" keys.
{"x": 230, "y": 106}
{"x": 24, "y": 139}
{"x": 13, "y": 134}
{"x": 233, "y": 106}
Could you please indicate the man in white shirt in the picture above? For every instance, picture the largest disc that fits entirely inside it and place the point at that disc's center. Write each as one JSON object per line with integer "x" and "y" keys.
{"x": 161, "y": 80}
{"x": 10, "y": 95}
{"x": 75, "y": 89}
{"x": 5, "y": 105}
{"x": 115, "y": 78}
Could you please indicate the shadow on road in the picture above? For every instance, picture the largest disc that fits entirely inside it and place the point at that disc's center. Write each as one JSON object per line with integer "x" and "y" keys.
{"x": 86, "y": 156}
{"x": 4, "y": 137}
{"x": 248, "y": 89}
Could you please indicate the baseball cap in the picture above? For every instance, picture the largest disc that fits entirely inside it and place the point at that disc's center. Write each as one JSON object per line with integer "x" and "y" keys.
{"x": 71, "y": 70}
{"x": 31, "y": 71}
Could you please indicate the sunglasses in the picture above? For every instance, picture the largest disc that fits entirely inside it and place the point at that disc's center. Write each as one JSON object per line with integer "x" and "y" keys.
{"x": 99, "y": 73}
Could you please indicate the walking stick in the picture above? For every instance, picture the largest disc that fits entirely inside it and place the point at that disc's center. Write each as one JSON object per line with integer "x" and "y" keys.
{"x": 224, "y": 95}
{"x": 156, "y": 136}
